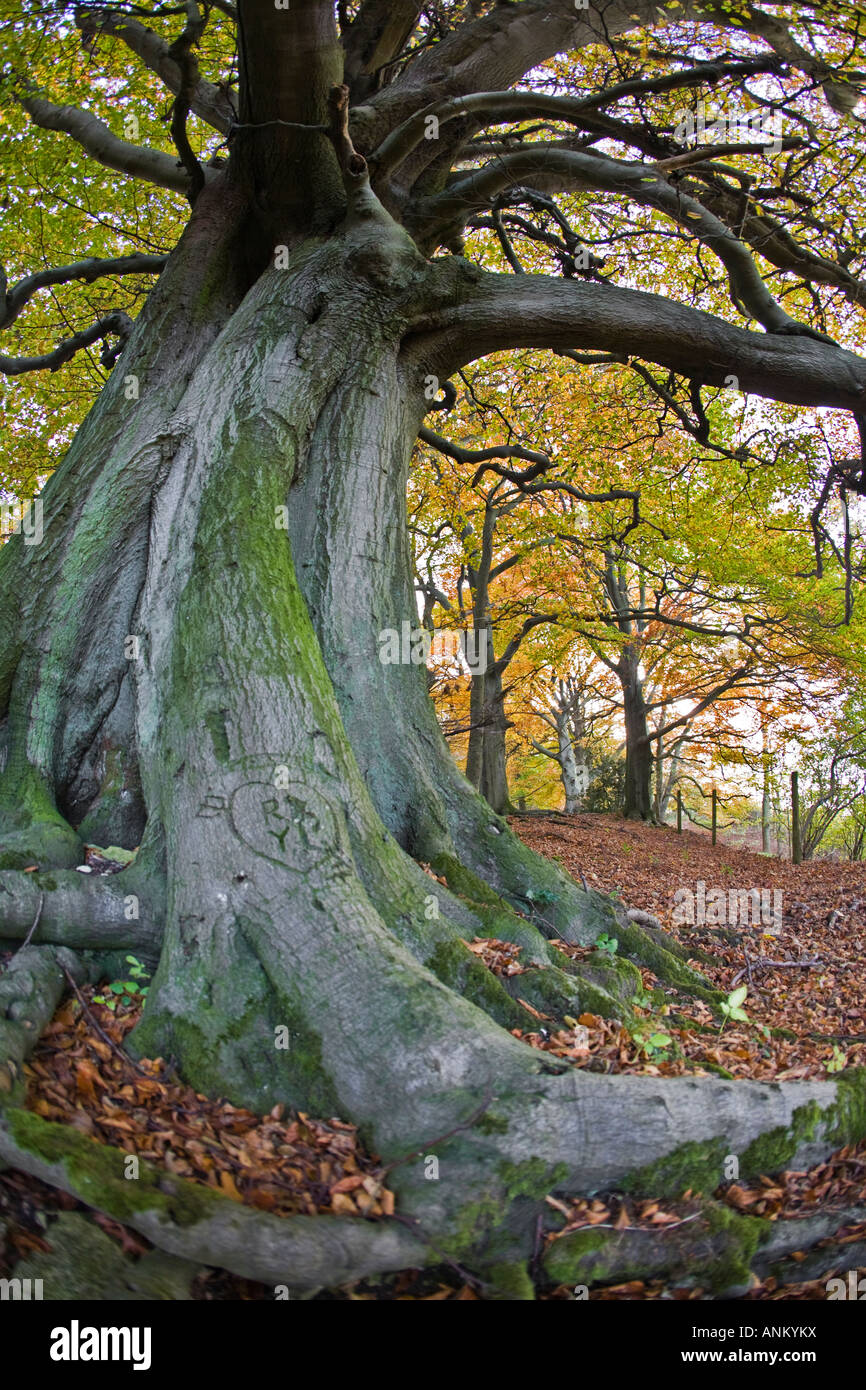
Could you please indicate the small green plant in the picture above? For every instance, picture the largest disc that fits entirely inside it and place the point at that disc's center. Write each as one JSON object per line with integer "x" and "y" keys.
{"x": 122, "y": 991}
{"x": 606, "y": 943}
{"x": 642, "y": 999}
{"x": 656, "y": 1044}
{"x": 731, "y": 1010}
{"x": 652, "y": 1045}
{"x": 839, "y": 1060}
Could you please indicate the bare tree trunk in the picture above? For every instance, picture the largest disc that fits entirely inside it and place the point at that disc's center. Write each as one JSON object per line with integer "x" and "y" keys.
{"x": 639, "y": 756}
{"x": 570, "y": 771}
{"x": 766, "y": 803}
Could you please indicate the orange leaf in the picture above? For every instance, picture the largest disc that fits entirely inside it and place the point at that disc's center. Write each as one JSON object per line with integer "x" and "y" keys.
{"x": 227, "y": 1183}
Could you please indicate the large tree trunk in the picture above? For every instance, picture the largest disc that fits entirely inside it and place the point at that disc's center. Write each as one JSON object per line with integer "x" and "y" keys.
{"x": 488, "y": 724}
{"x": 494, "y": 774}
{"x": 193, "y": 657}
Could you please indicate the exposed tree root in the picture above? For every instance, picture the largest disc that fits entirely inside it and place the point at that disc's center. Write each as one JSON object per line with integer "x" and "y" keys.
{"x": 202, "y": 1226}
{"x": 89, "y": 912}
{"x": 715, "y": 1249}
{"x": 575, "y": 1133}
{"x": 30, "y": 990}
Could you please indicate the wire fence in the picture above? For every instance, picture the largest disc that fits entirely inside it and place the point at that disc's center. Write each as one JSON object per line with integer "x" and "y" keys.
{"x": 716, "y": 800}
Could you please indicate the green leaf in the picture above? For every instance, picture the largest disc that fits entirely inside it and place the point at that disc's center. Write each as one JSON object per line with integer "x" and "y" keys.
{"x": 115, "y": 853}
{"x": 738, "y": 995}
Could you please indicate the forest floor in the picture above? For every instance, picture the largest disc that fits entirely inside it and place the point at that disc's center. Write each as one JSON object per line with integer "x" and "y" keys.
{"x": 803, "y": 960}
{"x": 805, "y": 1005}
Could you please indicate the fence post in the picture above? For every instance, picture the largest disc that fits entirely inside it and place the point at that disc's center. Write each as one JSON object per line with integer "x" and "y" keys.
{"x": 715, "y": 812}
{"x": 796, "y": 846}
{"x": 679, "y": 812}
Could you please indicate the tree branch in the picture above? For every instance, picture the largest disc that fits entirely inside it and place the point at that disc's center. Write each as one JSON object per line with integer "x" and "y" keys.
{"x": 181, "y": 52}
{"x": 209, "y": 102}
{"x": 116, "y": 322}
{"x": 589, "y": 171}
{"x": 88, "y": 270}
{"x": 374, "y": 39}
{"x": 496, "y": 107}
{"x": 506, "y": 311}
{"x": 99, "y": 142}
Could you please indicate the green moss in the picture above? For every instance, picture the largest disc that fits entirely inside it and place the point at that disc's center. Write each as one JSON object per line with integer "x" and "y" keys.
{"x": 505, "y": 925}
{"x": 574, "y": 1258}
{"x": 532, "y": 1178}
{"x": 846, "y": 1123}
{"x": 640, "y": 947}
{"x": 739, "y": 1237}
{"x": 716, "y": 1069}
{"x": 483, "y": 1222}
{"x": 510, "y": 1280}
{"x": 468, "y": 1226}
{"x": 615, "y": 975}
{"x": 457, "y": 967}
{"x": 95, "y": 1173}
{"x": 715, "y": 1252}
{"x": 770, "y": 1152}
{"x": 216, "y": 724}
{"x": 32, "y": 830}
{"x": 491, "y": 1124}
{"x": 695, "y": 1165}
{"x": 464, "y": 882}
{"x": 554, "y": 992}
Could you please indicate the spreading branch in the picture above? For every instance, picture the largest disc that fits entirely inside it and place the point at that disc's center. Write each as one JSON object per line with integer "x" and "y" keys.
{"x": 116, "y": 323}
{"x": 102, "y": 145}
{"x": 211, "y": 103}
{"x": 555, "y": 170}
{"x": 181, "y": 53}
{"x": 509, "y": 311}
{"x": 94, "y": 268}
{"x": 493, "y": 108}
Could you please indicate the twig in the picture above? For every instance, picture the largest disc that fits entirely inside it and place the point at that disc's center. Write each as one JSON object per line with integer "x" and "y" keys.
{"x": 118, "y": 1051}
{"x": 466, "y": 1124}
{"x": 29, "y": 937}
{"x": 762, "y": 963}
{"x": 611, "y": 1226}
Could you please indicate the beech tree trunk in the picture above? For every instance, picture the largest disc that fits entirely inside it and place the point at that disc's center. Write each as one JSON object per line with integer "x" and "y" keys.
{"x": 638, "y": 747}
{"x": 574, "y": 784}
{"x": 190, "y": 661}
{"x": 486, "y": 754}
